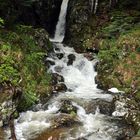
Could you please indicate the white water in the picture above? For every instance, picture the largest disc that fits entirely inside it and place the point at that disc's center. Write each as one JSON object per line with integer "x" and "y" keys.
{"x": 60, "y": 28}
{"x": 80, "y": 79}
{"x": 95, "y": 7}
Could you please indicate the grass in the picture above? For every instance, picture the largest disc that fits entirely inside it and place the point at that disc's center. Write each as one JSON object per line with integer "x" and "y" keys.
{"x": 120, "y": 53}
{"x": 21, "y": 64}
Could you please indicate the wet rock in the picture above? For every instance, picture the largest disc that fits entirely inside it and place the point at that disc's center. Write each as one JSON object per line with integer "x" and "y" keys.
{"x": 60, "y": 55}
{"x": 96, "y": 66}
{"x": 97, "y": 82}
{"x": 71, "y": 58}
{"x": 125, "y": 131}
{"x": 58, "y": 69}
{"x": 104, "y": 106}
{"x": 67, "y": 107}
{"x": 64, "y": 120}
{"x": 60, "y": 87}
{"x": 128, "y": 109}
{"x": 78, "y": 29}
{"x": 56, "y": 78}
{"x": 48, "y": 63}
{"x": 55, "y": 48}
{"x": 6, "y": 112}
{"x": 10, "y": 96}
{"x": 51, "y": 56}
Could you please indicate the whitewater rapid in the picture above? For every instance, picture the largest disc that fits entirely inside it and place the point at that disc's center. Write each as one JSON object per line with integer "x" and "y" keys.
{"x": 60, "y": 27}
{"x": 79, "y": 77}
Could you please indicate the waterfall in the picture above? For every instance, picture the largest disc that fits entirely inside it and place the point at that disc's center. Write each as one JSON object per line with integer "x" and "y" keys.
{"x": 96, "y": 5}
{"x": 79, "y": 78}
{"x": 60, "y": 27}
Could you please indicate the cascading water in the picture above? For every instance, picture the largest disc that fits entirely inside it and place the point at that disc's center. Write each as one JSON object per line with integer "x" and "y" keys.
{"x": 60, "y": 28}
{"x": 79, "y": 77}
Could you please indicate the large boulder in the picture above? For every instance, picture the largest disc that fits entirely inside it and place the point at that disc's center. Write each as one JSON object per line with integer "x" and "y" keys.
{"x": 59, "y": 87}
{"x": 10, "y": 96}
{"x": 67, "y": 107}
{"x": 64, "y": 120}
{"x": 105, "y": 107}
{"x": 71, "y": 59}
{"x": 56, "y": 78}
{"x": 127, "y": 109}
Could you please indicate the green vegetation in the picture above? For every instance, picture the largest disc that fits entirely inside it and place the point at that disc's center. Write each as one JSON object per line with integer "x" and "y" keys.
{"x": 1, "y": 22}
{"x": 119, "y": 52}
{"x": 21, "y": 64}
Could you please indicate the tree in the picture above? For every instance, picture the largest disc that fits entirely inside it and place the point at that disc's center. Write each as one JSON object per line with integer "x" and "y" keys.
{"x": 10, "y": 10}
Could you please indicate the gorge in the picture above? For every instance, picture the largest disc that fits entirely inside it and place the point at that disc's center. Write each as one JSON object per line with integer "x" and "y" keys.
{"x": 73, "y": 94}
{"x": 79, "y": 77}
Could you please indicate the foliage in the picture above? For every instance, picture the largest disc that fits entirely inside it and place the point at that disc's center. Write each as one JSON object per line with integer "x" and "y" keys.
{"x": 21, "y": 64}
{"x": 120, "y": 23}
{"x": 1, "y": 22}
{"x": 8, "y": 74}
{"x": 119, "y": 52}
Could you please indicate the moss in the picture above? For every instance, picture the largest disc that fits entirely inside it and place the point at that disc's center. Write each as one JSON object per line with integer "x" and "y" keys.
{"x": 21, "y": 60}
{"x": 119, "y": 54}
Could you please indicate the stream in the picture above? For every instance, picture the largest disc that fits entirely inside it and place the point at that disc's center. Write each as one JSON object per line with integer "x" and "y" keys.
{"x": 92, "y": 120}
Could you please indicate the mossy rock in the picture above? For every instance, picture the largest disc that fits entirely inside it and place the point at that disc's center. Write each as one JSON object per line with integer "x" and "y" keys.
{"x": 22, "y": 54}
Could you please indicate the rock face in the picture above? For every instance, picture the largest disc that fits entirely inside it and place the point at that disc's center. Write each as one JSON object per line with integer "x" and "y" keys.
{"x": 56, "y": 78}
{"x": 64, "y": 120}
{"x": 71, "y": 58}
{"x": 39, "y": 13}
{"x": 8, "y": 102}
{"x": 77, "y": 18}
{"x": 42, "y": 39}
{"x": 82, "y": 24}
{"x": 128, "y": 109}
{"x": 104, "y": 107}
{"x": 44, "y": 13}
